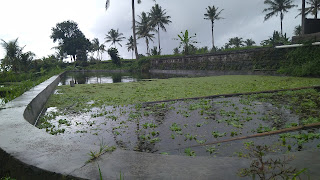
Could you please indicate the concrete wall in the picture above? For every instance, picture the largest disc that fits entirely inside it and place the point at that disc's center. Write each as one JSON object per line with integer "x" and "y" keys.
{"x": 242, "y": 60}
{"x": 35, "y": 107}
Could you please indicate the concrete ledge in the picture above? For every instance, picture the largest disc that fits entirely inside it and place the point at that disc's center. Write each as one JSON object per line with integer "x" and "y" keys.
{"x": 27, "y": 152}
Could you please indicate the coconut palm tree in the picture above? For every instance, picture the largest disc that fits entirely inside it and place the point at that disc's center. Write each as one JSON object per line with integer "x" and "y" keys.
{"x": 130, "y": 45}
{"x": 276, "y": 7}
{"x": 249, "y": 42}
{"x": 12, "y": 57}
{"x": 213, "y": 14}
{"x": 115, "y": 37}
{"x": 159, "y": 19}
{"x": 26, "y": 59}
{"x": 312, "y": 9}
{"x": 99, "y": 48}
{"x": 133, "y": 24}
{"x": 144, "y": 29}
{"x": 236, "y": 42}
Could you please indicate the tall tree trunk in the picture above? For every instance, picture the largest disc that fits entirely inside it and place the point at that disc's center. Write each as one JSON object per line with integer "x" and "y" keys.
{"x": 303, "y": 16}
{"x": 212, "y": 35}
{"x": 281, "y": 18}
{"x": 159, "y": 38}
{"x": 316, "y": 9}
{"x": 134, "y": 31}
{"x": 147, "y": 42}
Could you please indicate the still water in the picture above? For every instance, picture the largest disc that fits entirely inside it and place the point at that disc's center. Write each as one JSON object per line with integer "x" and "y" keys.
{"x": 109, "y": 77}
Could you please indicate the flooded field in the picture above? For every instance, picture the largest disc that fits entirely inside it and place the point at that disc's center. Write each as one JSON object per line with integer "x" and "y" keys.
{"x": 193, "y": 127}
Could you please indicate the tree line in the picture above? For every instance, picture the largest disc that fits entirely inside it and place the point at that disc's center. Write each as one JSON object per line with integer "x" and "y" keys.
{"x": 71, "y": 41}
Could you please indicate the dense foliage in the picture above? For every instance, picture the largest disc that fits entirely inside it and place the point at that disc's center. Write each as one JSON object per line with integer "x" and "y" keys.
{"x": 70, "y": 38}
{"x": 303, "y": 61}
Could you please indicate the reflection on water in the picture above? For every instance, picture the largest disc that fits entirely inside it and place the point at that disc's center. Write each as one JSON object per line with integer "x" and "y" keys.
{"x": 108, "y": 77}
{"x": 97, "y": 78}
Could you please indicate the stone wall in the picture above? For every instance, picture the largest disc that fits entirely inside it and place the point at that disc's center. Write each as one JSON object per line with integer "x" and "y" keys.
{"x": 241, "y": 60}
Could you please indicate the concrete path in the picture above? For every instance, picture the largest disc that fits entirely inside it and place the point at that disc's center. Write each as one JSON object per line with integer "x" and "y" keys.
{"x": 29, "y": 153}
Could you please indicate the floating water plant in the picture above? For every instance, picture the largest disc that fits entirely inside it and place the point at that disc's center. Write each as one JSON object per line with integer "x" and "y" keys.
{"x": 211, "y": 149}
{"x": 189, "y": 152}
{"x": 216, "y": 134}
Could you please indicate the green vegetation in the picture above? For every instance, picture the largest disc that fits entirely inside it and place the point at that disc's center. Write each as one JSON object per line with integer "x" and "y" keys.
{"x": 277, "y": 7}
{"x": 305, "y": 103}
{"x": 303, "y": 61}
{"x": 186, "y": 42}
{"x": 146, "y": 91}
{"x": 159, "y": 18}
{"x": 114, "y": 37}
{"x": 189, "y": 152}
{"x": 114, "y": 54}
{"x": 213, "y": 14}
{"x": 7, "y": 178}
{"x": 17, "y": 84}
{"x": 102, "y": 149}
{"x": 268, "y": 168}
{"x": 71, "y": 40}
{"x": 144, "y": 29}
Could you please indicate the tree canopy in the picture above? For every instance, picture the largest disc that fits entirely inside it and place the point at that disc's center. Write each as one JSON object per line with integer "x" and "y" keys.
{"x": 276, "y": 7}
{"x": 70, "y": 38}
{"x": 159, "y": 19}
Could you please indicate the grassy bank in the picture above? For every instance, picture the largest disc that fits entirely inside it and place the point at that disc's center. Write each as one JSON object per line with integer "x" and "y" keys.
{"x": 16, "y": 84}
{"x": 77, "y": 98}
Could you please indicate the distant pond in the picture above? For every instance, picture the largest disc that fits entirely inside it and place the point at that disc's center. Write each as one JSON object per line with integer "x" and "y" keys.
{"x": 102, "y": 77}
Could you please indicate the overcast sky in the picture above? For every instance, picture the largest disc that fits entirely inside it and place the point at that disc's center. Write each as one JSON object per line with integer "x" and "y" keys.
{"x": 31, "y": 21}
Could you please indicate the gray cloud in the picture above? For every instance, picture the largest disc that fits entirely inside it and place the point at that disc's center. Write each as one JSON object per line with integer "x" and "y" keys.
{"x": 242, "y": 18}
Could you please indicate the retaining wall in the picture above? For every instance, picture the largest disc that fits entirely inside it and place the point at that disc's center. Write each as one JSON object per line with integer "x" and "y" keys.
{"x": 242, "y": 60}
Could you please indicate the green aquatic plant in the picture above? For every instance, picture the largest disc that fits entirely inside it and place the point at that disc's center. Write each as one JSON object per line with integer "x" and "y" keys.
{"x": 201, "y": 141}
{"x": 233, "y": 133}
{"x": 154, "y": 140}
{"x": 211, "y": 149}
{"x": 164, "y": 89}
{"x": 149, "y": 125}
{"x": 64, "y": 121}
{"x": 199, "y": 124}
{"x": 153, "y": 133}
{"x": 190, "y": 137}
{"x": 175, "y": 127}
{"x": 189, "y": 152}
{"x": 262, "y": 129}
{"x": 216, "y": 134}
{"x": 56, "y": 131}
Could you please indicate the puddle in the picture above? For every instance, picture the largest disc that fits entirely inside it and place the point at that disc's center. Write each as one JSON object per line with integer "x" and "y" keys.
{"x": 173, "y": 127}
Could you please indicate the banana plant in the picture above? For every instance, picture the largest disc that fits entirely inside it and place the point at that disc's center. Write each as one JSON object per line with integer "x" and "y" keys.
{"x": 186, "y": 41}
